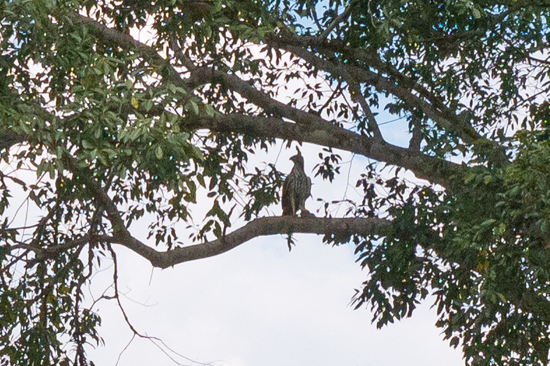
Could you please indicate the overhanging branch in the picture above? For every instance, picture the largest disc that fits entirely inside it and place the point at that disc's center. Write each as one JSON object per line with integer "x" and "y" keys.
{"x": 327, "y": 134}
{"x": 318, "y": 131}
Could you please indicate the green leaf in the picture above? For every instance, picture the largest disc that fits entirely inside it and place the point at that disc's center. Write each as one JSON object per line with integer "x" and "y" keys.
{"x": 191, "y": 105}
{"x": 158, "y": 152}
{"x": 209, "y": 110}
{"x": 87, "y": 145}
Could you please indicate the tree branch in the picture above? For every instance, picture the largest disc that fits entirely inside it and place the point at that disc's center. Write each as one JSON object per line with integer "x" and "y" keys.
{"x": 355, "y": 88}
{"x": 205, "y": 75}
{"x": 256, "y": 228}
{"x": 311, "y": 128}
{"x": 319, "y": 129}
{"x": 336, "y": 21}
{"x": 416, "y": 139}
{"x": 327, "y": 134}
{"x": 125, "y": 40}
{"x": 448, "y": 121}
{"x": 259, "y": 227}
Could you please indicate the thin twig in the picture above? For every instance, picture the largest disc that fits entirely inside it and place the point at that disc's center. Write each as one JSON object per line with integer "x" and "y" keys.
{"x": 133, "y": 328}
{"x": 355, "y": 89}
{"x": 336, "y": 21}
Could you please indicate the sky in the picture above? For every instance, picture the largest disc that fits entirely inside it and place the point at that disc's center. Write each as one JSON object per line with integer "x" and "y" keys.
{"x": 262, "y": 305}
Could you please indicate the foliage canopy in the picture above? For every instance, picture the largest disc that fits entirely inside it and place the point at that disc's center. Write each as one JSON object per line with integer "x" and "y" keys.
{"x": 119, "y": 112}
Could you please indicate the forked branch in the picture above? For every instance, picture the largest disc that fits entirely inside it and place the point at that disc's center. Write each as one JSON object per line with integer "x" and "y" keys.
{"x": 337, "y": 227}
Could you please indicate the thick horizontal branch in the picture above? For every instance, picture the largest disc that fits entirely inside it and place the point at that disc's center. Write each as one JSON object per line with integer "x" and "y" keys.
{"x": 327, "y": 134}
{"x": 256, "y": 228}
{"x": 321, "y": 133}
{"x": 259, "y": 227}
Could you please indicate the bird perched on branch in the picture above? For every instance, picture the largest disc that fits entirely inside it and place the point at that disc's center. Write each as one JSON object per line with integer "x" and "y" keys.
{"x": 296, "y": 189}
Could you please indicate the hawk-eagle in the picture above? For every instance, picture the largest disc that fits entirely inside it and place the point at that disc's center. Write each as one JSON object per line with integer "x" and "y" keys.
{"x": 296, "y": 188}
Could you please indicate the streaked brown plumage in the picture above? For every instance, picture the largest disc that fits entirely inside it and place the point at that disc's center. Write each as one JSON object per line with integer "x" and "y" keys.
{"x": 296, "y": 188}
